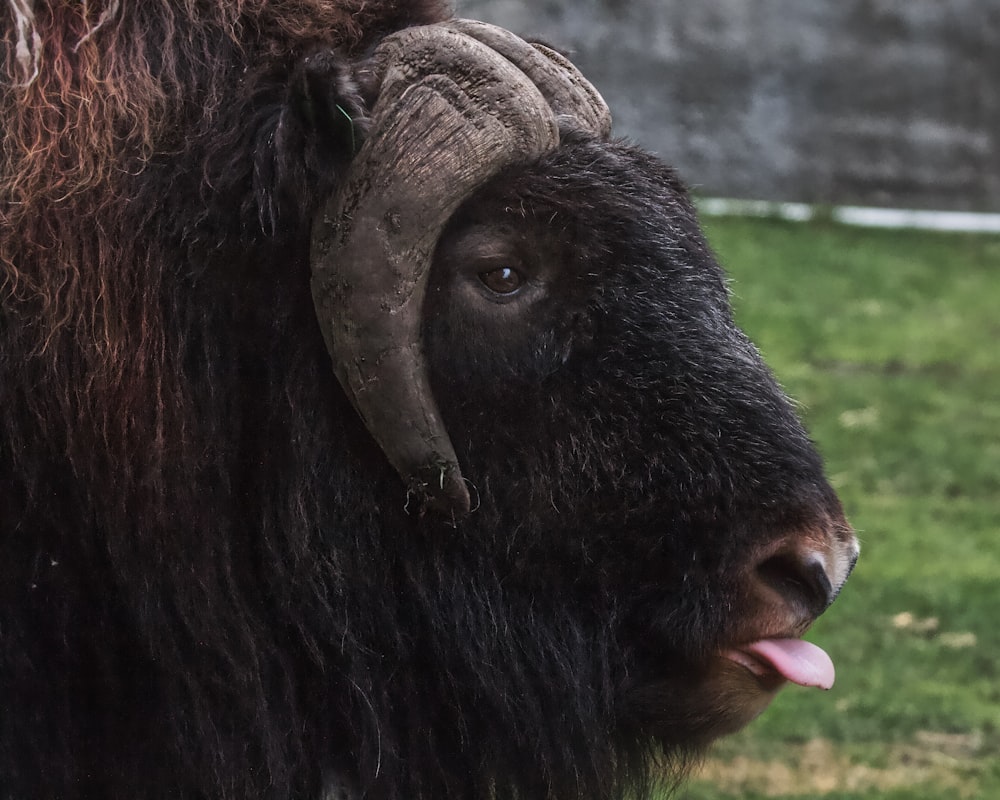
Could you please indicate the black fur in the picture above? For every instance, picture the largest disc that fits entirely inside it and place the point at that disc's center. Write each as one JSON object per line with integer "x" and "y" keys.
{"x": 210, "y": 583}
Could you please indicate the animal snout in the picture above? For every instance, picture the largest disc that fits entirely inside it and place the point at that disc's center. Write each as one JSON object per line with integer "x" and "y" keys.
{"x": 807, "y": 571}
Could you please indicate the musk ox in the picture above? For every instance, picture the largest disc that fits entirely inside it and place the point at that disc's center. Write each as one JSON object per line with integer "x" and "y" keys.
{"x": 373, "y": 423}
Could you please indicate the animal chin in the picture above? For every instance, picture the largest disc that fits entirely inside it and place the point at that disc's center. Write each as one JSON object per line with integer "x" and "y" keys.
{"x": 737, "y": 685}
{"x": 782, "y": 660}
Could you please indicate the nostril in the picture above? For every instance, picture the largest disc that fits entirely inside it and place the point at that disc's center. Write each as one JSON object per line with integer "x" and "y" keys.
{"x": 800, "y": 578}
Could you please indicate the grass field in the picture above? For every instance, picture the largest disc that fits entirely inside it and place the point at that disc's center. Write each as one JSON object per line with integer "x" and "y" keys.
{"x": 890, "y": 341}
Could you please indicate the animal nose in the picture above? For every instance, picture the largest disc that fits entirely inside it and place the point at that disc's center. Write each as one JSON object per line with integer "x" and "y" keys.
{"x": 808, "y": 574}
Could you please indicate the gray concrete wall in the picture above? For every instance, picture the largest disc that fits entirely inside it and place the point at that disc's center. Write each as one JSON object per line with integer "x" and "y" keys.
{"x": 876, "y": 102}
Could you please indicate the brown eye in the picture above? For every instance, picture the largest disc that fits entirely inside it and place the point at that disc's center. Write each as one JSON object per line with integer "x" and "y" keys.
{"x": 502, "y": 281}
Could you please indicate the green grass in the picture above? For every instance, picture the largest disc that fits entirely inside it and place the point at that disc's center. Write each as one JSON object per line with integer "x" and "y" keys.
{"x": 890, "y": 341}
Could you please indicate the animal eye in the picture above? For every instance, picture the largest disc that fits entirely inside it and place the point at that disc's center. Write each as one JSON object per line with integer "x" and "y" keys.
{"x": 502, "y": 281}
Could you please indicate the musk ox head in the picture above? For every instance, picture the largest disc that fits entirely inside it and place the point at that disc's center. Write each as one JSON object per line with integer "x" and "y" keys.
{"x": 552, "y": 519}
{"x": 617, "y": 427}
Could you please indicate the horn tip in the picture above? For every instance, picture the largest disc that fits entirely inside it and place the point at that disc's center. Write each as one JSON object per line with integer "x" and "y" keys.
{"x": 442, "y": 491}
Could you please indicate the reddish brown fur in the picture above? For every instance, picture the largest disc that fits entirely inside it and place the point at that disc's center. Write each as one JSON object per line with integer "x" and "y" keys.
{"x": 92, "y": 342}
{"x": 74, "y": 136}
{"x": 98, "y": 109}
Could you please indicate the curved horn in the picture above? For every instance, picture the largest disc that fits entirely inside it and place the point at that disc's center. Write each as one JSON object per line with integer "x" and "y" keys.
{"x": 567, "y": 91}
{"x": 451, "y": 113}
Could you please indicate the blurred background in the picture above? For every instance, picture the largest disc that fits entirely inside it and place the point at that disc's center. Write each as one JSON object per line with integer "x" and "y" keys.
{"x": 889, "y": 340}
{"x": 871, "y": 102}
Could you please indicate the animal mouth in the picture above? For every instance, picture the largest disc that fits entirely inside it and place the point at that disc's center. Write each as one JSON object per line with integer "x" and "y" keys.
{"x": 793, "y": 660}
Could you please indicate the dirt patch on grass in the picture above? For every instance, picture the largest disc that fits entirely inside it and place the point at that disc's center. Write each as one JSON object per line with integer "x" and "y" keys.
{"x": 946, "y": 762}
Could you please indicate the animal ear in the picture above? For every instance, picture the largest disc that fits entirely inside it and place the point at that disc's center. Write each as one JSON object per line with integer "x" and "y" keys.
{"x": 325, "y": 100}
{"x": 306, "y": 147}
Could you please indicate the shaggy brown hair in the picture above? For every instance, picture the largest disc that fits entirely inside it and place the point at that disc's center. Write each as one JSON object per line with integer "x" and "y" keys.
{"x": 128, "y": 129}
{"x": 96, "y": 94}
{"x": 93, "y": 91}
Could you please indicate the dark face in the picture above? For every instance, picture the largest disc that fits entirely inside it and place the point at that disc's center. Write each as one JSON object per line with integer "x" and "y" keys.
{"x": 599, "y": 394}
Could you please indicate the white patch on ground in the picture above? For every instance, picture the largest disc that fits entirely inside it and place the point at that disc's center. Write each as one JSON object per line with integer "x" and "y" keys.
{"x": 864, "y": 216}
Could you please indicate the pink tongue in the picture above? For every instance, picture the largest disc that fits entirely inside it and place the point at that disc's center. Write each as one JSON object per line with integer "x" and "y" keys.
{"x": 798, "y": 661}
